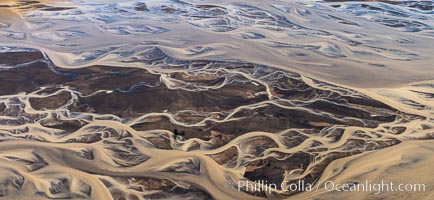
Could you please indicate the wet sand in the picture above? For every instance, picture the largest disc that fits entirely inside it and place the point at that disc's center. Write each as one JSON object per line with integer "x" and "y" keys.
{"x": 198, "y": 96}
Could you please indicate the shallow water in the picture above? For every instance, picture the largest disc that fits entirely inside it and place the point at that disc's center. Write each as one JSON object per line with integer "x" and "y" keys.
{"x": 179, "y": 99}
